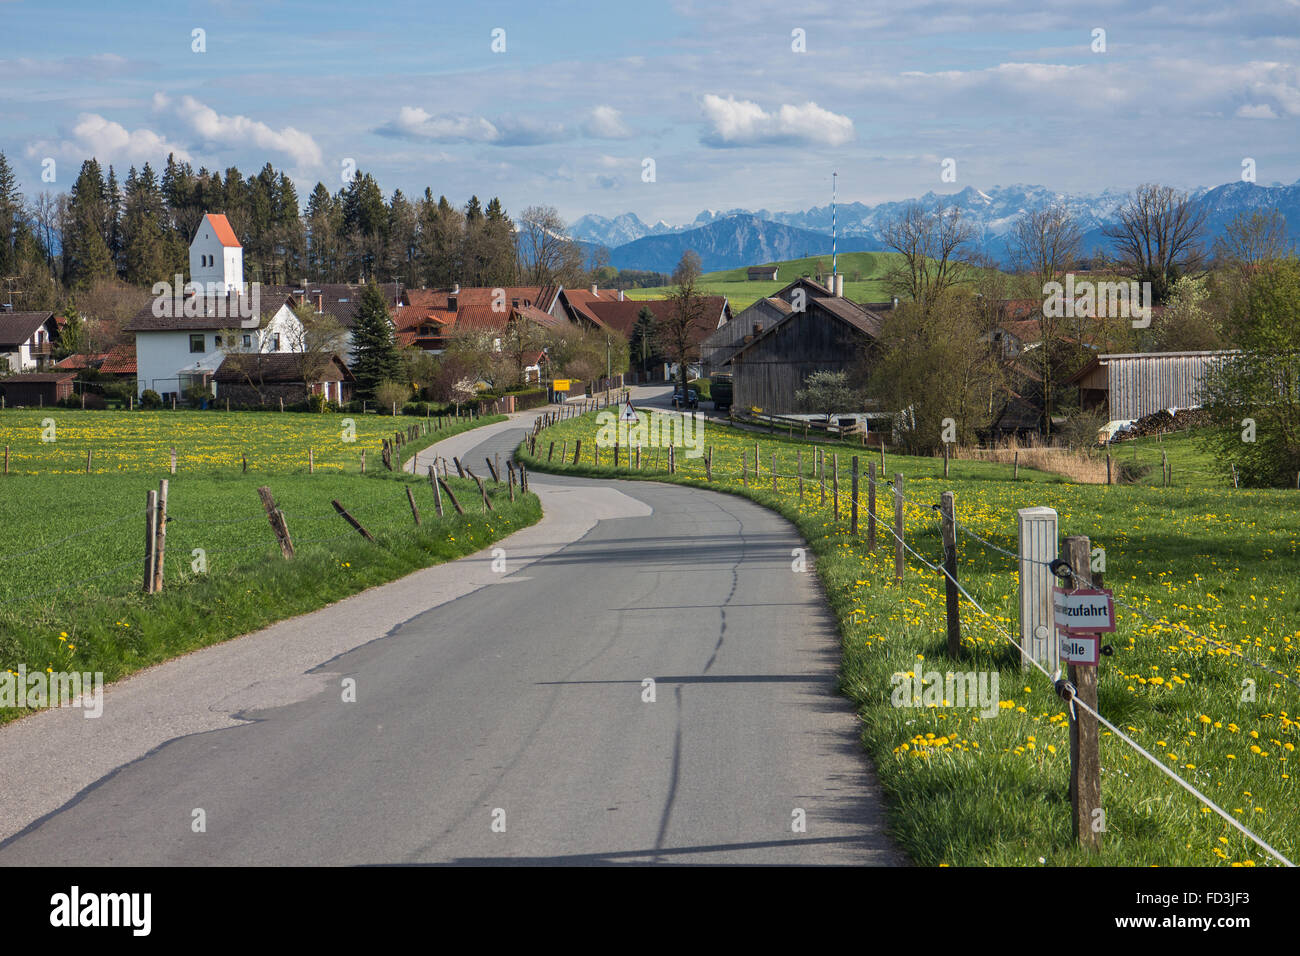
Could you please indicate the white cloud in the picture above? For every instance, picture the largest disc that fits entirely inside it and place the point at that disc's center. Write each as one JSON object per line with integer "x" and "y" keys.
{"x": 241, "y": 131}
{"x": 744, "y": 123}
{"x": 1259, "y": 111}
{"x": 109, "y": 142}
{"x": 605, "y": 122}
{"x": 415, "y": 123}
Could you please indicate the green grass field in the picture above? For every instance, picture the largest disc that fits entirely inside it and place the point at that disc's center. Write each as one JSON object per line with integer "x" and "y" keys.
{"x": 970, "y": 790}
{"x": 863, "y": 279}
{"x": 72, "y": 553}
{"x": 56, "y": 440}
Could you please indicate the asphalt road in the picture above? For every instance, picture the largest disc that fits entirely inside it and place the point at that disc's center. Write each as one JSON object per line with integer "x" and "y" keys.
{"x": 512, "y": 723}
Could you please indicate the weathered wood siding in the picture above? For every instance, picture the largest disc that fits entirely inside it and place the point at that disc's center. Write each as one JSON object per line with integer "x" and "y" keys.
{"x": 768, "y": 374}
{"x": 1140, "y": 385}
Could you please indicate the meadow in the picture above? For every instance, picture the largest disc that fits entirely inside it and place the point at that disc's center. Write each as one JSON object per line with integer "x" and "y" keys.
{"x": 741, "y": 293}
{"x": 71, "y": 544}
{"x": 53, "y": 441}
{"x": 1205, "y": 671}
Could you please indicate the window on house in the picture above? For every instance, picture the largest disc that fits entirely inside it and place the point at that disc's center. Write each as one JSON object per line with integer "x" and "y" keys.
{"x": 196, "y": 343}
{"x": 216, "y": 341}
{"x": 248, "y": 341}
{"x": 275, "y": 342}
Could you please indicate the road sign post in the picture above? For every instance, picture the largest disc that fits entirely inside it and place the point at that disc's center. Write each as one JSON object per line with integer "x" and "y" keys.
{"x": 1087, "y": 820}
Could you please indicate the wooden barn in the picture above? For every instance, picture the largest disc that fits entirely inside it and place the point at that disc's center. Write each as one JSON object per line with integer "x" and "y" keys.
{"x": 765, "y": 273}
{"x": 37, "y": 388}
{"x": 719, "y": 347}
{"x": 1133, "y": 385}
{"x": 829, "y": 334}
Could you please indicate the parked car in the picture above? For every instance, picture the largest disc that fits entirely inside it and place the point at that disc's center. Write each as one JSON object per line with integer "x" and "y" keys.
{"x": 692, "y": 398}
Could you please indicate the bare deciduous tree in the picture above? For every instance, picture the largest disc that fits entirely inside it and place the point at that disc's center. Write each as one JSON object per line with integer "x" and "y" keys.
{"x": 935, "y": 244}
{"x": 676, "y": 333}
{"x": 547, "y": 255}
{"x": 1157, "y": 237}
{"x": 1251, "y": 240}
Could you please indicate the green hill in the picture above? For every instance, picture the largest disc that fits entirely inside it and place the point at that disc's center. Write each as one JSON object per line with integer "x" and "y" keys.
{"x": 863, "y": 279}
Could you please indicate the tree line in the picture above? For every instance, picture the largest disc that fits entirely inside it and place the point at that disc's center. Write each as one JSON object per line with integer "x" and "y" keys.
{"x": 138, "y": 230}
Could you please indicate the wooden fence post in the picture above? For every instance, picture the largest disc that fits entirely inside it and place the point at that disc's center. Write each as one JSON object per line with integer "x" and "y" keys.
{"x": 487, "y": 505}
{"x": 798, "y": 462}
{"x": 672, "y": 459}
{"x": 459, "y": 470}
{"x": 774, "y": 488}
{"x": 758, "y": 467}
{"x": 871, "y": 506}
{"x": 160, "y": 540}
{"x": 415, "y": 512}
{"x": 1085, "y": 744}
{"x": 433, "y": 483}
{"x": 451, "y": 496}
{"x": 899, "y": 559}
{"x": 351, "y": 520}
{"x": 744, "y": 471}
{"x": 708, "y": 464}
{"x": 90, "y": 454}
{"x": 577, "y": 450}
{"x": 835, "y": 481}
{"x": 1108, "y": 481}
{"x": 853, "y": 521}
{"x": 6, "y": 459}
{"x": 311, "y": 461}
{"x": 1016, "y": 468}
{"x": 492, "y": 468}
{"x": 948, "y": 512}
{"x": 173, "y": 461}
{"x": 276, "y": 518}
{"x": 150, "y": 534}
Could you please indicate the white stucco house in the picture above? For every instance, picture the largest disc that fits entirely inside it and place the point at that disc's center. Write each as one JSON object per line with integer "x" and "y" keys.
{"x": 25, "y": 340}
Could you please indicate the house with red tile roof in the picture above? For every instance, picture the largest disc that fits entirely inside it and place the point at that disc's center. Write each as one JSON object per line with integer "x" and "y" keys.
{"x": 430, "y": 316}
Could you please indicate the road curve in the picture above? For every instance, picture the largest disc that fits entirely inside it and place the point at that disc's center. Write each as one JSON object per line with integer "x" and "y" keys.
{"x": 653, "y": 683}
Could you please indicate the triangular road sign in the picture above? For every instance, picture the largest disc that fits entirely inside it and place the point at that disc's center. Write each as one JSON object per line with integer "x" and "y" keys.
{"x": 629, "y": 413}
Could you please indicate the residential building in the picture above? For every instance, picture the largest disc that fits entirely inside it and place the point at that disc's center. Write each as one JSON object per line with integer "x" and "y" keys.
{"x": 26, "y": 339}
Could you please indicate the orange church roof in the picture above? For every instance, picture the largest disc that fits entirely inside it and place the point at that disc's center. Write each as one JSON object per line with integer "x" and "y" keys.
{"x": 221, "y": 227}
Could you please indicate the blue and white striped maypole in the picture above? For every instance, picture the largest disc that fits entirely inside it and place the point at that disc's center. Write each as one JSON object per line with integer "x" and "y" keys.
{"x": 834, "y": 231}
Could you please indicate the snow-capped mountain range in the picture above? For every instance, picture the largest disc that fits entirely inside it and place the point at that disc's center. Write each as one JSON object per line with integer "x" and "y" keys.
{"x": 726, "y": 238}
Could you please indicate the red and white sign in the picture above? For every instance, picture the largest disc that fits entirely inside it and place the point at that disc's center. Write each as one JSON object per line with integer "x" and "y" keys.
{"x": 1080, "y": 649}
{"x": 1085, "y": 611}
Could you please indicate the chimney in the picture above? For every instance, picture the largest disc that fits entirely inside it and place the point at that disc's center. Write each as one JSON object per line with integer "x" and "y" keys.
{"x": 594, "y": 290}
{"x": 839, "y": 285}
{"x": 455, "y": 288}
{"x": 620, "y": 295}
{"x": 895, "y": 305}
{"x": 320, "y": 303}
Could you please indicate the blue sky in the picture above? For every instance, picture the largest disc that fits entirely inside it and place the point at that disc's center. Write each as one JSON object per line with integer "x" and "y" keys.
{"x": 714, "y": 93}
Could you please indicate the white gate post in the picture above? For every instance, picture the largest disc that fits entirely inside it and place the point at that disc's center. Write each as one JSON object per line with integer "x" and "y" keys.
{"x": 1039, "y": 546}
